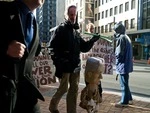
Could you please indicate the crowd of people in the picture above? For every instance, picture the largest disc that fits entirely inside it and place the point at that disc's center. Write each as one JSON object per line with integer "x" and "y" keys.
{"x": 21, "y": 44}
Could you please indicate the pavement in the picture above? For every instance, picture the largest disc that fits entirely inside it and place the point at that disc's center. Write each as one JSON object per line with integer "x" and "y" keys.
{"x": 140, "y": 105}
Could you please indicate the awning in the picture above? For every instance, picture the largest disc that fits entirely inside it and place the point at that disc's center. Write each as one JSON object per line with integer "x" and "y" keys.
{"x": 138, "y": 31}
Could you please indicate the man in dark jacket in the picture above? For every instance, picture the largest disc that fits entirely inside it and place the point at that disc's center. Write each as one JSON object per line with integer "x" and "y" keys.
{"x": 18, "y": 92}
{"x": 67, "y": 45}
{"x": 124, "y": 63}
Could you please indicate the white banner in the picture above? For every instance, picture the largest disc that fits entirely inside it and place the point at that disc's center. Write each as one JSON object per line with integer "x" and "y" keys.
{"x": 102, "y": 49}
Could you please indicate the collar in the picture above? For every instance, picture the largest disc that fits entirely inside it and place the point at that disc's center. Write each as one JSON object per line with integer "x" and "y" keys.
{"x": 23, "y": 7}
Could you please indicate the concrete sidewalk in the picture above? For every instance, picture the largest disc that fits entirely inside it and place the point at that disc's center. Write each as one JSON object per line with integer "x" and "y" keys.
{"x": 107, "y": 106}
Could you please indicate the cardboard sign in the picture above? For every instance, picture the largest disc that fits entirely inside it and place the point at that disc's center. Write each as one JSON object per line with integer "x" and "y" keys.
{"x": 43, "y": 70}
{"x": 102, "y": 49}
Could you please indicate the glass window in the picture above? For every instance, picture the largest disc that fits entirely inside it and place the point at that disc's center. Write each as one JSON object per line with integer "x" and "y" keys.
{"x": 81, "y": 15}
{"x": 99, "y": 3}
{"x": 133, "y": 4}
{"x": 148, "y": 24}
{"x": 95, "y": 17}
{"x": 95, "y": 29}
{"x": 116, "y": 10}
{"x": 106, "y": 28}
{"x": 102, "y": 29}
{"x": 80, "y": 3}
{"x": 96, "y": 4}
{"x": 132, "y": 23}
{"x": 110, "y": 27}
{"x": 99, "y": 16}
{"x": 106, "y": 13}
{"x": 121, "y": 8}
{"x": 111, "y": 11}
{"x": 144, "y": 24}
{"x": 98, "y": 29}
{"x": 126, "y": 24}
{"x": 102, "y": 2}
{"x": 127, "y": 6}
{"x": 102, "y": 14}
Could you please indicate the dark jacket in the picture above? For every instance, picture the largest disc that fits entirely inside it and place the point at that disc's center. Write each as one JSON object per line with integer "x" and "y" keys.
{"x": 67, "y": 44}
{"x": 123, "y": 52}
{"x": 16, "y": 74}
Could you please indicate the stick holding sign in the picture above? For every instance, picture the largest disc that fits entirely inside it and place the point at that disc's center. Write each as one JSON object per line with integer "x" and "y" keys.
{"x": 101, "y": 36}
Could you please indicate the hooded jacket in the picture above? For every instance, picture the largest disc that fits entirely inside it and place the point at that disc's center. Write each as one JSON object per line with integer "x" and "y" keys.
{"x": 123, "y": 51}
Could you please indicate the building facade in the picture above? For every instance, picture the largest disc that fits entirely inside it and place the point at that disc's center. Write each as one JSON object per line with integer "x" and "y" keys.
{"x": 46, "y": 18}
{"x": 104, "y": 13}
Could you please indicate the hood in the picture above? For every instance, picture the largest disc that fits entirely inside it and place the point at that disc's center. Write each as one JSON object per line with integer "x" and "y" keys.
{"x": 119, "y": 28}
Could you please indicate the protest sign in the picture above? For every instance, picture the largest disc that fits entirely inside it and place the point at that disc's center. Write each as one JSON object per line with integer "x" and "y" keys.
{"x": 103, "y": 49}
{"x": 43, "y": 70}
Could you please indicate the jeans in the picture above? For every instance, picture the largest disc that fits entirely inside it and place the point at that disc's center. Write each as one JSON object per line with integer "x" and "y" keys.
{"x": 124, "y": 84}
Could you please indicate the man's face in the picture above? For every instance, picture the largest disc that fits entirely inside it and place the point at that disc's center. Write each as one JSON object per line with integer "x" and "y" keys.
{"x": 91, "y": 29}
{"x": 72, "y": 15}
{"x": 33, "y": 4}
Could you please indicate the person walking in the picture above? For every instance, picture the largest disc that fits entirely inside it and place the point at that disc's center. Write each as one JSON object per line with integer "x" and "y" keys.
{"x": 67, "y": 44}
{"x": 19, "y": 45}
{"x": 124, "y": 63}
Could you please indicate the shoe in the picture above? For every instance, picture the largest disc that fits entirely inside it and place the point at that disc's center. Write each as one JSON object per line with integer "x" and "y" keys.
{"x": 53, "y": 111}
{"x": 119, "y": 104}
{"x": 130, "y": 102}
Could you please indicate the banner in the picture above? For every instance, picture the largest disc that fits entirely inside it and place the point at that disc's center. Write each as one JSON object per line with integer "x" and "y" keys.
{"x": 102, "y": 49}
{"x": 43, "y": 70}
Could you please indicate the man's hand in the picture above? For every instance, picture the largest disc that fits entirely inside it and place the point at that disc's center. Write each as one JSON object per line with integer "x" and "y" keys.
{"x": 95, "y": 38}
{"x": 16, "y": 49}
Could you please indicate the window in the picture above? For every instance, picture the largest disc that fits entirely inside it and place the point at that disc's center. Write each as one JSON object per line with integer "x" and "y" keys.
{"x": 148, "y": 9}
{"x": 106, "y": 13}
{"x": 102, "y": 29}
{"x": 110, "y": 27}
{"x": 111, "y": 11}
{"x": 95, "y": 17}
{"x": 81, "y": 15}
{"x": 99, "y": 3}
{"x": 126, "y": 24}
{"x": 121, "y": 8}
{"x": 132, "y": 23}
{"x": 98, "y": 29}
{"x": 127, "y": 6}
{"x": 116, "y": 10}
{"x": 106, "y": 28}
{"x": 80, "y": 3}
{"x": 102, "y": 14}
{"x": 95, "y": 29}
{"x": 96, "y": 4}
{"x": 98, "y": 16}
{"x": 102, "y": 2}
{"x": 133, "y": 4}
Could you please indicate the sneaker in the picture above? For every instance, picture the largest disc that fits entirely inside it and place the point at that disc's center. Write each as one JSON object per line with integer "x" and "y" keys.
{"x": 119, "y": 104}
{"x": 130, "y": 102}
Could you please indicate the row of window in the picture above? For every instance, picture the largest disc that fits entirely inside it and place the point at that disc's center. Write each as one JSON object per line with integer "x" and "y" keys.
{"x": 108, "y": 28}
{"x": 100, "y": 2}
{"x": 101, "y": 15}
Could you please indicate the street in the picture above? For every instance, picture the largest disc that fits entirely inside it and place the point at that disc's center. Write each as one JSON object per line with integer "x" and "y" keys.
{"x": 138, "y": 81}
